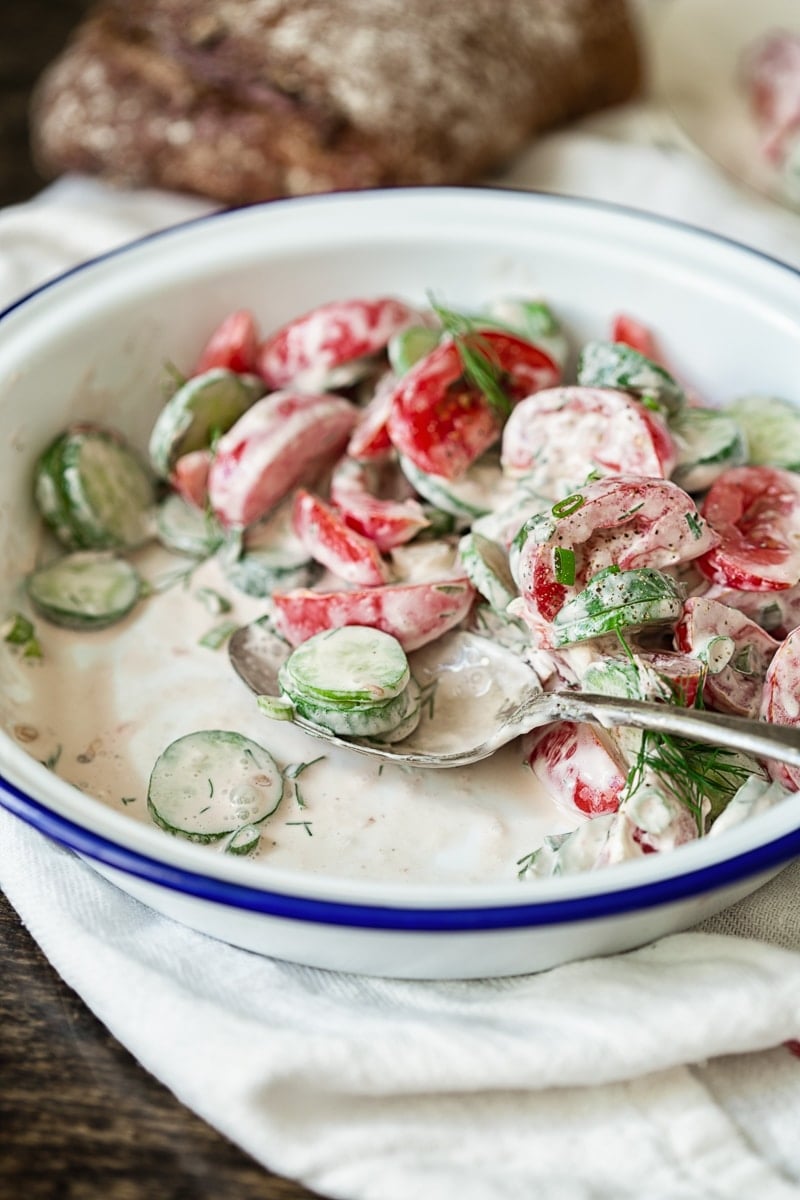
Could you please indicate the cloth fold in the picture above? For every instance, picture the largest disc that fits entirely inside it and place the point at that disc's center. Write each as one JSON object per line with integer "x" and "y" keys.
{"x": 661, "y": 1072}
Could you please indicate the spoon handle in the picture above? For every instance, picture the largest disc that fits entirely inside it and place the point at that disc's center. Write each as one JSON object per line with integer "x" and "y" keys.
{"x": 779, "y": 742}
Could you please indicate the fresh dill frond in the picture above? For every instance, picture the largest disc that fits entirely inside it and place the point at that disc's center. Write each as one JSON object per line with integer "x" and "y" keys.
{"x": 478, "y": 359}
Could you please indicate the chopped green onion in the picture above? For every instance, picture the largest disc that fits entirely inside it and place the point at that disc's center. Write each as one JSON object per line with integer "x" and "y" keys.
{"x": 218, "y": 636}
{"x": 568, "y": 505}
{"x": 564, "y": 565}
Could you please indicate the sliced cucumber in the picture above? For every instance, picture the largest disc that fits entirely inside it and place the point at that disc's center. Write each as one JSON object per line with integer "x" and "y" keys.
{"x": 410, "y": 345}
{"x": 472, "y": 495}
{"x": 364, "y": 721}
{"x": 535, "y": 321}
{"x": 205, "y": 406}
{"x": 615, "y": 600}
{"x": 94, "y": 492}
{"x": 212, "y": 783}
{"x": 613, "y": 365}
{"x": 85, "y": 590}
{"x": 186, "y": 529}
{"x": 771, "y": 428}
{"x": 486, "y": 565}
{"x": 273, "y": 557}
{"x": 352, "y": 666}
{"x": 708, "y": 442}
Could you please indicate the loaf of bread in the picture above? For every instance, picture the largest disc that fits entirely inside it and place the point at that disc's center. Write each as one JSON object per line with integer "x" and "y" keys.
{"x": 244, "y": 100}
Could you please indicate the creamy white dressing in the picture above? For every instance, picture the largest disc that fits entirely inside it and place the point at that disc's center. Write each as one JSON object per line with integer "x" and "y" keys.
{"x": 103, "y": 706}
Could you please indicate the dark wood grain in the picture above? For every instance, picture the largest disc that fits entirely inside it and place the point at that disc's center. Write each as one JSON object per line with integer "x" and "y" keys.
{"x": 79, "y": 1118}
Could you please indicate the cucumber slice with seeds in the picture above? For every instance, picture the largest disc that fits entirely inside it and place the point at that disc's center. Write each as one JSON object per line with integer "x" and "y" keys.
{"x": 94, "y": 492}
{"x": 205, "y": 405}
{"x": 350, "y": 667}
{"x": 212, "y": 783}
{"x": 86, "y": 590}
{"x": 772, "y": 429}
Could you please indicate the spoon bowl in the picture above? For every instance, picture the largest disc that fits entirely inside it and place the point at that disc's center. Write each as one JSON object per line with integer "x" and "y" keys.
{"x": 483, "y": 696}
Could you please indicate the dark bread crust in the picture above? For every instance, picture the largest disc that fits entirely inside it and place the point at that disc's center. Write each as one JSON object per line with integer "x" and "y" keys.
{"x": 244, "y": 100}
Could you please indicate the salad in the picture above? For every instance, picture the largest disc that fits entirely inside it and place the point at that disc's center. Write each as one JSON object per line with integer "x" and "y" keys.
{"x": 377, "y": 474}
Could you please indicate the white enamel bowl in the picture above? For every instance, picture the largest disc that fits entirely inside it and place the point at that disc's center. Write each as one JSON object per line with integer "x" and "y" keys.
{"x": 93, "y": 344}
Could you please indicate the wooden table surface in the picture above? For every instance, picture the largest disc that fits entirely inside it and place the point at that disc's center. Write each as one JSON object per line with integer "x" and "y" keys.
{"x": 79, "y": 1118}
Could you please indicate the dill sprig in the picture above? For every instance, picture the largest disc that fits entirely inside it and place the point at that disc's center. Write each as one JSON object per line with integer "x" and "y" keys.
{"x": 701, "y": 777}
{"x": 478, "y": 360}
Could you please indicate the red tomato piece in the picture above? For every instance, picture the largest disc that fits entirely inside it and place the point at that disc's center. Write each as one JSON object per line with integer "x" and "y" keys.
{"x": 780, "y": 702}
{"x": 388, "y": 522}
{"x": 559, "y": 435}
{"x": 331, "y": 542}
{"x": 683, "y": 673}
{"x": 282, "y": 440}
{"x": 630, "y": 332}
{"x": 370, "y": 440}
{"x": 441, "y": 421}
{"x": 190, "y": 476}
{"x": 414, "y": 613}
{"x": 580, "y": 766}
{"x": 621, "y": 520}
{"x": 737, "y": 687}
{"x": 756, "y": 512}
{"x": 303, "y": 351}
{"x": 233, "y": 344}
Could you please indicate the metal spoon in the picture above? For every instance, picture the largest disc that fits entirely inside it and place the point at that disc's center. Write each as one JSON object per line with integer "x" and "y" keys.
{"x": 488, "y": 688}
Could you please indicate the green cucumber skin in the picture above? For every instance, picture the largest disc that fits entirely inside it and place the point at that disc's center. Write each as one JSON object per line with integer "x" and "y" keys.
{"x": 376, "y": 660}
{"x": 771, "y": 429}
{"x": 75, "y": 570}
{"x": 183, "y": 777}
{"x": 371, "y": 720}
{"x": 184, "y": 529}
{"x": 486, "y": 565}
{"x": 708, "y": 442}
{"x": 70, "y": 502}
{"x": 204, "y": 405}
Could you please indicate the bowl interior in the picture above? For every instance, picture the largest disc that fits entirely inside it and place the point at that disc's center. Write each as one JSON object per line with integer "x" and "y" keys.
{"x": 94, "y": 345}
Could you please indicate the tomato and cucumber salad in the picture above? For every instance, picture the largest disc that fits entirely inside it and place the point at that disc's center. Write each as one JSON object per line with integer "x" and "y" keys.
{"x": 377, "y": 473}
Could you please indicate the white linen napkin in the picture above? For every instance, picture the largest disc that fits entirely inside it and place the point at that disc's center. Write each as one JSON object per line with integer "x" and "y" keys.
{"x": 662, "y": 1072}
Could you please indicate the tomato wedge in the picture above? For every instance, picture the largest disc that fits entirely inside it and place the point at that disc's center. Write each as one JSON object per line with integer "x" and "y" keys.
{"x": 331, "y": 542}
{"x": 558, "y": 436}
{"x": 441, "y": 421}
{"x": 630, "y": 332}
{"x": 282, "y": 440}
{"x": 189, "y": 476}
{"x": 736, "y": 688}
{"x": 387, "y": 521}
{"x": 414, "y": 613}
{"x": 233, "y": 344}
{"x": 303, "y": 351}
{"x": 622, "y": 521}
{"x": 756, "y": 512}
{"x": 580, "y": 766}
{"x": 781, "y": 701}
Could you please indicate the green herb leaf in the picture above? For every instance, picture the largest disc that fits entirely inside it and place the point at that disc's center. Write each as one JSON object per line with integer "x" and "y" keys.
{"x": 564, "y": 565}
{"x": 478, "y": 360}
{"x": 568, "y": 505}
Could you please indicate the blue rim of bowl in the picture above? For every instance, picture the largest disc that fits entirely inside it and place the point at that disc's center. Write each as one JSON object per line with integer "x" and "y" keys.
{"x": 751, "y": 864}
{"x": 760, "y": 861}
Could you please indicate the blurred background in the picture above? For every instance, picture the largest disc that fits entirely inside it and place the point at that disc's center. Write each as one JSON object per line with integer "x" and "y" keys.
{"x": 31, "y": 33}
